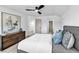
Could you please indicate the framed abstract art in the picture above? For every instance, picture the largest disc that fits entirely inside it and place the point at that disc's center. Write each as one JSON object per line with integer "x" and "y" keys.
{"x": 10, "y": 23}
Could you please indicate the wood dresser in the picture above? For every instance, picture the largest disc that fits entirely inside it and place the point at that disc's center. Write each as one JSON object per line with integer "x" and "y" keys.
{"x": 11, "y": 39}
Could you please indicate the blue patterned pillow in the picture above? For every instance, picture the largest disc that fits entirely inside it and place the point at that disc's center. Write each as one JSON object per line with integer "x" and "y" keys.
{"x": 58, "y": 37}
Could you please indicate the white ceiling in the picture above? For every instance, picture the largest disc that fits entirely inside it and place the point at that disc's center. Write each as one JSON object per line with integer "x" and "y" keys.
{"x": 47, "y": 10}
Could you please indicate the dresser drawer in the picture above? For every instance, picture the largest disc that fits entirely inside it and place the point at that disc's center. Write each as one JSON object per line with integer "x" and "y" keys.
{"x": 9, "y": 38}
{"x": 9, "y": 42}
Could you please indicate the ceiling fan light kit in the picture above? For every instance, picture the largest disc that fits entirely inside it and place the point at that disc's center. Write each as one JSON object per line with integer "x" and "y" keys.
{"x": 36, "y": 10}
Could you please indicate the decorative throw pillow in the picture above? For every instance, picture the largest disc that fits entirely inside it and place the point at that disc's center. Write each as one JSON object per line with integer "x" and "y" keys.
{"x": 68, "y": 40}
{"x": 57, "y": 38}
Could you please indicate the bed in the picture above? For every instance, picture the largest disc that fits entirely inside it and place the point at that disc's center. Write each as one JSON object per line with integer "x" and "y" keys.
{"x": 38, "y": 43}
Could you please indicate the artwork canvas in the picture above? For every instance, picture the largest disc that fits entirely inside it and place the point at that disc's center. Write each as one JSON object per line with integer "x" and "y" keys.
{"x": 10, "y": 23}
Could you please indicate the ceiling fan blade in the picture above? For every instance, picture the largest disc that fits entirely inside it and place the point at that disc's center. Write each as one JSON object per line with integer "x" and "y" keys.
{"x": 39, "y": 12}
{"x": 30, "y": 9}
{"x": 40, "y": 7}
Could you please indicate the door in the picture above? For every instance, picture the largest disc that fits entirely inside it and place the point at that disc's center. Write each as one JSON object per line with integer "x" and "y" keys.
{"x": 51, "y": 27}
{"x": 38, "y": 26}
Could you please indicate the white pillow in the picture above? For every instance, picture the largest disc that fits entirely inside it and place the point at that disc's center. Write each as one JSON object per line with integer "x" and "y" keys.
{"x": 68, "y": 40}
{"x": 71, "y": 42}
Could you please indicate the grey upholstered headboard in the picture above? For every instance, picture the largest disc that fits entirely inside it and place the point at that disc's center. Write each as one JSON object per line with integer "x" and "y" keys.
{"x": 75, "y": 31}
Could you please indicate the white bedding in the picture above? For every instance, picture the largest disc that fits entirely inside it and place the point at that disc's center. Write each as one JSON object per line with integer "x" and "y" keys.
{"x": 38, "y": 43}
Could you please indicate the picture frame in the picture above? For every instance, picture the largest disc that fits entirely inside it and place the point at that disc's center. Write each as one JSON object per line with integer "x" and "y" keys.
{"x": 10, "y": 23}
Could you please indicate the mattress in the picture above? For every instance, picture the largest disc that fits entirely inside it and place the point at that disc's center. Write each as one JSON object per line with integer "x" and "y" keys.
{"x": 38, "y": 43}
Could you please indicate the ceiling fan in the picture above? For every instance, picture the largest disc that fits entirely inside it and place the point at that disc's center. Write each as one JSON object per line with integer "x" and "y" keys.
{"x": 37, "y": 9}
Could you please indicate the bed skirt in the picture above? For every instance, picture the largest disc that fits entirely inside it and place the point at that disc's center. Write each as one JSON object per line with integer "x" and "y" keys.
{"x": 21, "y": 51}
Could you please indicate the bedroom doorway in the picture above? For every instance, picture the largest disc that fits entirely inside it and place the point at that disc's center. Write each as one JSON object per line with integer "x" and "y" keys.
{"x": 51, "y": 27}
{"x": 38, "y": 25}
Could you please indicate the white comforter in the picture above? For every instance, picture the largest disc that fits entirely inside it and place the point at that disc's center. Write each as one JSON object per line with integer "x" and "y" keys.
{"x": 38, "y": 43}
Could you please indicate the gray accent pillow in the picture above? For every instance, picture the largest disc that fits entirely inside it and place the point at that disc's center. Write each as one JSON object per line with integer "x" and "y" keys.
{"x": 68, "y": 40}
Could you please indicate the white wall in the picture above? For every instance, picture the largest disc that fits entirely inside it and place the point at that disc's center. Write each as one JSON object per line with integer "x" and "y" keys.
{"x": 24, "y": 21}
{"x": 71, "y": 17}
{"x": 45, "y": 22}
{"x": 0, "y": 23}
